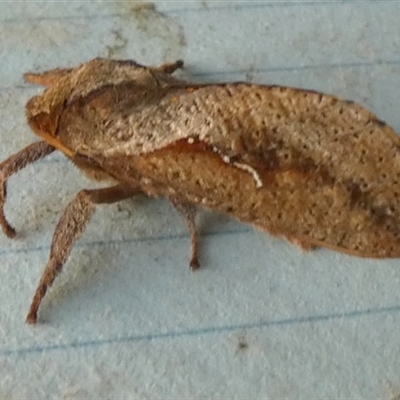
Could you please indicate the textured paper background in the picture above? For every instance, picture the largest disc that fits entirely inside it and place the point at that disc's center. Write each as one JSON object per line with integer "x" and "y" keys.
{"x": 126, "y": 319}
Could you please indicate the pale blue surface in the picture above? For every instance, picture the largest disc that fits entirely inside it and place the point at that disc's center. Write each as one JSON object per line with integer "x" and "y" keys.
{"x": 126, "y": 319}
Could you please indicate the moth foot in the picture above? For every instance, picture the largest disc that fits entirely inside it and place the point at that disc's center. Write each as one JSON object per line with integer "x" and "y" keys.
{"x": 8, "y": 230}
{"x": 194, "y": 264}
{"x": 31, "y": 318}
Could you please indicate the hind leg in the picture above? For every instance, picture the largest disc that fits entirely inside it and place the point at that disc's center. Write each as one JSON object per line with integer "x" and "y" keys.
{"x": 70, "y": 227}
{"x": 188, "y": 212}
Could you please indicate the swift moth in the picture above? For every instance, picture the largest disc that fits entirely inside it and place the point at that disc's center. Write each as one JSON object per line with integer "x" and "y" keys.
{"x": 309, "y": 167}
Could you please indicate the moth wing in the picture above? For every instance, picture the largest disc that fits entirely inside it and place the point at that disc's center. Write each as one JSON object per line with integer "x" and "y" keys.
{"x": 274, "y": 157}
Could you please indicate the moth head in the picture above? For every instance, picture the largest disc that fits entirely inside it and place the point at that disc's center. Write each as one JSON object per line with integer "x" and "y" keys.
{"x": 66, "y": 85}
{"x": 44, "y": 110}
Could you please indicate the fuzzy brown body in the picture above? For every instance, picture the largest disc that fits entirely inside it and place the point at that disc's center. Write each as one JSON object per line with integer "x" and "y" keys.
{"x": 310, "y": 167}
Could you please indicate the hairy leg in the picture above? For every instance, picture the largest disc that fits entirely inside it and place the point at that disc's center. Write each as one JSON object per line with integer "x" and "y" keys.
{"x": 13, "y": 164}
{"x": 69, "y": 229}
{"x": 188, "y": 212}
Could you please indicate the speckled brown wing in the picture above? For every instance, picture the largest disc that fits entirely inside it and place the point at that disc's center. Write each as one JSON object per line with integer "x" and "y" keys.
{"x": 329, "y": 168}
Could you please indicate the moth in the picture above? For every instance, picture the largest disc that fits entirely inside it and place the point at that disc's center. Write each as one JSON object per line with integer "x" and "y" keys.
{"x": 309, "y": 167}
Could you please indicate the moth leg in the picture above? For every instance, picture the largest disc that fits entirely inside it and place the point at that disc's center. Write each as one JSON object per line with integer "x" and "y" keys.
{"x": 170, "y": 68}
{"x": 47, "y": 78}
{"x": 13, "y": 164}
{"x": 69, "y": 229}
{"x": 188, "y": 212}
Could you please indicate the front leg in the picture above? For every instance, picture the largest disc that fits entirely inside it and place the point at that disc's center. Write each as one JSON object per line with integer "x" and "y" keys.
{"x": 69, "y": 229}
{"x": 13, "y": 164}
